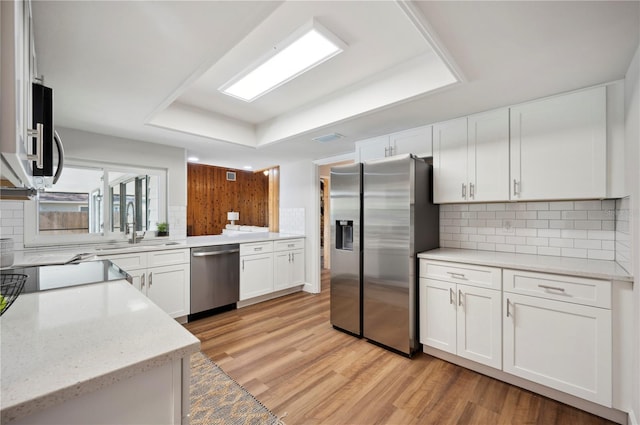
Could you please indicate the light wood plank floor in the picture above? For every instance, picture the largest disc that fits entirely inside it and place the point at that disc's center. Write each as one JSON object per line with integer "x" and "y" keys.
{"x": 287, "y": 354}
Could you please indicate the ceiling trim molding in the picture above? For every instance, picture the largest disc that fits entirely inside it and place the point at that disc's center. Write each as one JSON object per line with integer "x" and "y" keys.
{"x": 424, "y": 28}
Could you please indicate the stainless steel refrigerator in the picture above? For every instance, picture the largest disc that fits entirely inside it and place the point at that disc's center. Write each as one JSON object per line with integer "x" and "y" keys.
{"x": 397, "y": 219}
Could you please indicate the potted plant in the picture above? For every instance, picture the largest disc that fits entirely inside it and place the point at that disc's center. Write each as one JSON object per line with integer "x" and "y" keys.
{"x": 163, "y": 229}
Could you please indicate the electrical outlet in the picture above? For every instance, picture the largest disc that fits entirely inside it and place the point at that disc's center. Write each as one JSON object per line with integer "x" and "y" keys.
{"x": 507, "y": 226}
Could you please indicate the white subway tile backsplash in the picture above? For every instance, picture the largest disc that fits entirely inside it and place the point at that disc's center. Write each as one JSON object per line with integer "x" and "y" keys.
{"x": 538, "y": 206}
{"x": 574, "y": 215}
{"x": 587, "y": 243}
{"x": 561, "y": 205}
{"x": 547, "y": 250}
{"x": 587, "y": 224}
{"x": 582, "y": 229}
{"x": 526, "y": 249}
{"x": 574, "y": 252}
{"x": 12, "y": 222}
{"x": 587, "y": 205}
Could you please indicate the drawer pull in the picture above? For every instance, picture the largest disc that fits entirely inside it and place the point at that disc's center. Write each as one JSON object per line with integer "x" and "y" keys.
{"x": 451, "y": 295}
{"x": 457, "y": 275}
{"x": 291, "y": 245}
{"x": 258, "y": 248}
{"x": 551, "y": 288}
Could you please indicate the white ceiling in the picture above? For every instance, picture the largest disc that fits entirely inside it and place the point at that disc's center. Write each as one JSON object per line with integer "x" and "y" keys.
{"x": 150, "y": 70}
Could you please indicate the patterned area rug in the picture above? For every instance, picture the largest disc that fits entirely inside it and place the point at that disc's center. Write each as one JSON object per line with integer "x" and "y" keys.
{"x": 216, "y": 399}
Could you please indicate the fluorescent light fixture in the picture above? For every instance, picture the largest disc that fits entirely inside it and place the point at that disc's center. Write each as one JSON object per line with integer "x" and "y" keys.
{"x": 306, "y": 48}
{"x": 193, "y": 159}
{"x": 248, "y": 167}
{"x": 328, "y": 137}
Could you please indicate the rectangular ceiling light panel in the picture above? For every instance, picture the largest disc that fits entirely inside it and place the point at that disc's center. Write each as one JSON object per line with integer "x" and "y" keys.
{"x": 305, "y": 49}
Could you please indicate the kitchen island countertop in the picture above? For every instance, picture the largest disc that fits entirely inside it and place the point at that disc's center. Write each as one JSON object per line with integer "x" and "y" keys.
{"x": 60, "y": 344}
{"x": 597, "y": 269}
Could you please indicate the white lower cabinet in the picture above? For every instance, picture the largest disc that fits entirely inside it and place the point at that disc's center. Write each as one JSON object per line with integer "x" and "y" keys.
{"x": 552, "y": 330}
{"x": 256, "y": 269}
{"x": 461, "y": 318}
{"x": 560, "y": 344}
{"x": 163, "y": 276}
{"x": 289, "y": 263}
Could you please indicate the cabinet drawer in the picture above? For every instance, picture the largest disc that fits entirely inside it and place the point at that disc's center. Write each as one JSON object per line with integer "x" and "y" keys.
{"x": 487, "y": 277}
{"x": 289, "y": 244}
{"x": 169, "y": 257}
{"x": 572, "y": 289}
{"x": 129, "y": 261}
{"x": 256, "y": 248}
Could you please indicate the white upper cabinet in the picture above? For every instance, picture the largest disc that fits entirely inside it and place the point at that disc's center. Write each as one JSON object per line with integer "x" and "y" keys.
{"x": 471, "y": 158}
{"x": 18, "y": 71}
{"x": 416, "y": 141}
{"x": 559, "y": 147}
{"x": 450, "y": 161}
{"x": 375, "y": 148}
{"x": 488, "y": 156}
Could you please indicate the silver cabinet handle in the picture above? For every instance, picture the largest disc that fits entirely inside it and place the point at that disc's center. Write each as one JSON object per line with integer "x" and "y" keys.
{"x": 551, "y": 288}
{"x": 257, "y": 248}
{"x": 58, "y": 173}
{"x": 516, "y": 192}
{"x": 451, "y": 295}
{"x": 508, "y": 311}
{"x": 459, "y": 297}
{"x": 291, "y": 245}
{"x": 289, "y": 257}
{"x": 38, "y": 134}
{"x": 150, "y": 279}
{"x": 142, "y": 280}
{"x": 386, "y": 151}
{"x": 243, "y": 264}
{"x": 464, "y": 191}
{"x": 457, "y": 275}
{"x": 471, "y": 190}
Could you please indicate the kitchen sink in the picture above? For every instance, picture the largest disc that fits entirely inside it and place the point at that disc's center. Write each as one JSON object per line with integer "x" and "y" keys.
{"x": 135, "y": 246}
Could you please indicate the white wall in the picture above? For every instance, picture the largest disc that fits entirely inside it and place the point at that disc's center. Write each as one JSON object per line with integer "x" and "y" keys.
{"x": 83, "y": 145}
{"x": 300, "y": 188}
{"x": 632, "y": 149}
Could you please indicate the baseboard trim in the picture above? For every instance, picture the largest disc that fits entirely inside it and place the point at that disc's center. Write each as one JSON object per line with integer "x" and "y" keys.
{"x": 268, "y": 297}
{"x": 588, "y": 406}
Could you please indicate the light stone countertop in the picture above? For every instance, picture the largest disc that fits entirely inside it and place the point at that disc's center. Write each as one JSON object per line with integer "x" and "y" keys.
{"x": 57, "y": 255}
{"x": 597, "y": 269}
{"x": 59, "y": 344}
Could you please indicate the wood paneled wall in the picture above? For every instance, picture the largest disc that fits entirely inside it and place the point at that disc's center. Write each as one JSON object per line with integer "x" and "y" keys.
{"x": 210, "y": 196}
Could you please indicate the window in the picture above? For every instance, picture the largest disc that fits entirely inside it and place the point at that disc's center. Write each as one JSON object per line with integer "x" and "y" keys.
{"x": 96, "y": 203}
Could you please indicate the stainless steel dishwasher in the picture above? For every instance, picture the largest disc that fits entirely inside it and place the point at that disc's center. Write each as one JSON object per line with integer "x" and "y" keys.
{"x": 215, "y": 279}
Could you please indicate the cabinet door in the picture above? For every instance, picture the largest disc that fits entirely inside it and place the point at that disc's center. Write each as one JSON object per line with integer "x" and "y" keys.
{"x": 282, "y": 270}
{"x": 168, "y": 287}
{"x": 488, "y": 156}
{"x": 450, "y": 161}
{"x": 479, "y": 325}
{"x": 561, "y": 345}
{"x": 297, "y": 267}
{"x": 559, "y": 147}
{"x": 438, "y": 314}
{"x": 374, "y": 148}
{"x": 417, "y": 141}
{"x": 256, "y": 275}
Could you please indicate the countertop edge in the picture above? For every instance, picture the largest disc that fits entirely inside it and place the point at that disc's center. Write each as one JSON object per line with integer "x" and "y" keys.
{"x": 10, "y": 413}
{"x": 524, "y": 263}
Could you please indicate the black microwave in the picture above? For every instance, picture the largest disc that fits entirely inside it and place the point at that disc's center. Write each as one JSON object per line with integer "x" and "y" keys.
{"x": 45, "y": 139}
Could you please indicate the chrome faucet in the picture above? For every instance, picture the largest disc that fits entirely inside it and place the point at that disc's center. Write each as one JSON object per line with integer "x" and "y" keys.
{"x": 131, "y": 228}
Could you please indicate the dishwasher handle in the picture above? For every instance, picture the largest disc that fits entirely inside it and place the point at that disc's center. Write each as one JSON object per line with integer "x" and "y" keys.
{"x": 207, "y": 254}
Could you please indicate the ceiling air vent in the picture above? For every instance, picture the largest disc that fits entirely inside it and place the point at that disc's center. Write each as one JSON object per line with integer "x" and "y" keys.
{"x": 328, "y": 137}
